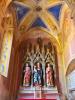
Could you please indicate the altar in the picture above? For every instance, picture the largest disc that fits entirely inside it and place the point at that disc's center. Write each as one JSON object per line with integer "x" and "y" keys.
{"x": 38, "y": 93}
{"x": 39, "y": 71}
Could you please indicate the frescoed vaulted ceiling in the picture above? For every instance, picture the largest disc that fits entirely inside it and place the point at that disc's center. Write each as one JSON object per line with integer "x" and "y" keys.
{"x": 44, "y": 14}
{"x": 47, "y": 15}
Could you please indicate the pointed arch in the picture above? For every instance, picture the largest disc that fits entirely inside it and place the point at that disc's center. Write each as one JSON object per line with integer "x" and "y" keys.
{"x": 71, "y": 67}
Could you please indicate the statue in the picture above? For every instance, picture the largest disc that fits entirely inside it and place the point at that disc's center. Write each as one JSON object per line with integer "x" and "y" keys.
{"x": 35, "y": 76}
{"x": 49, "y": 75}
{"x": 27, "y": 75}
{"x": 38, "y": 75}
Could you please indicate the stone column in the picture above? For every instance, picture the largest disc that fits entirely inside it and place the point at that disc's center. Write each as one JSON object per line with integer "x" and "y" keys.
{"x": 6, "y": 46}
{"x": 5, "y": 57}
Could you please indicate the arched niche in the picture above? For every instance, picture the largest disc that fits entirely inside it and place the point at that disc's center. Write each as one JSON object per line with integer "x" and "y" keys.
{"x": 34, "y": 32}
{"x": 38, "y": 50}
{"x": 20, "y": 50}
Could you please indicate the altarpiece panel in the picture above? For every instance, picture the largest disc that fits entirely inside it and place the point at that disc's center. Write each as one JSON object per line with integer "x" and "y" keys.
{"x": 39, "y": 64}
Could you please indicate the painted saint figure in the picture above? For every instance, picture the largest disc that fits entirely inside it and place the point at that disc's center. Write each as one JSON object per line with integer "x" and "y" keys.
{"x": 27, "y": 75}
{"x": 49, "y": 75}
{"x": 38, "y": 75}
{"x": 35, "y": 75}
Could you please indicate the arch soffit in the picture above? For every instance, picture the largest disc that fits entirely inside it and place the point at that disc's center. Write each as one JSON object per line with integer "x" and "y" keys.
{"x": 39, "y": 32}
{"x": 71, "y": 66}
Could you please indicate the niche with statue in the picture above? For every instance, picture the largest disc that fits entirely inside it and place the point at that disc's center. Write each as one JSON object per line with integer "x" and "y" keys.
{"x": 38, "y": 63}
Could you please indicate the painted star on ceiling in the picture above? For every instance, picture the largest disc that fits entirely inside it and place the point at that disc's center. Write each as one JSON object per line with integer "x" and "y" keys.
{"x": 38, "y": 13}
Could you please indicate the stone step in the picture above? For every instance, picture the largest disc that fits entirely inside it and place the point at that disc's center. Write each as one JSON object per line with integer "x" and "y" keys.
{"x": 28, "y": 93}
